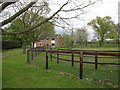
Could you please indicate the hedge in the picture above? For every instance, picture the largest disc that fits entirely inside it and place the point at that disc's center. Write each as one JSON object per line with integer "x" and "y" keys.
{"x": 11, "y": 44}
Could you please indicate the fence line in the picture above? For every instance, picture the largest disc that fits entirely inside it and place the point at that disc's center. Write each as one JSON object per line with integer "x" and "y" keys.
{"x": 77, "y": 52}
{"x": 86, "y": 61}
{"x": 81, "y": 54}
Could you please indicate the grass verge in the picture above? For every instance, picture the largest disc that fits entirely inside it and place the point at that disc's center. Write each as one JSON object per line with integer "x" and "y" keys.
{"x": 18, "y": 74}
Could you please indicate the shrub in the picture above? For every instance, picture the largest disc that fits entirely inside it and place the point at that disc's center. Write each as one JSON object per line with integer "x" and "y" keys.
{"x": 11, "y": 44}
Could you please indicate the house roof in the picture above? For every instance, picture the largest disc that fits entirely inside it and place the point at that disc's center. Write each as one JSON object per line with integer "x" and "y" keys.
{"x": 53, "y": 36}
{"x": 40, "y": 42}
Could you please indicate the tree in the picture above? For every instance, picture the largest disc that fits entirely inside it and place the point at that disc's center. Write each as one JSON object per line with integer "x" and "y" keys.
{"x": 55, "y": 17}
{"x": 42, "y": 31}
{"x": 29, "y": 37}
{"x": 104, "y": 28}
{"x": 94, "y": 40}
{"x": 77, "y": 7}
{"x": 5, "y": 4}
{"x": 67, "y": 40}
{"x": 18, "y": 25}
{"x": 81, "y": 36}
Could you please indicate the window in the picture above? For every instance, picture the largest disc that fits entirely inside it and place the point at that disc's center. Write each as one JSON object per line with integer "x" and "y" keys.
{"x": 53, "y": 39}
{"x": 53, "y": 44}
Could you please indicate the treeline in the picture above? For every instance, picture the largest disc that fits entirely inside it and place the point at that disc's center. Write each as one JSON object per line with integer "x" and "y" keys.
{"x": 73, "y": 42}
{"x": 26, "y": 39}
{"x": 106, "y": 34}
{"x": 11, "y": 44}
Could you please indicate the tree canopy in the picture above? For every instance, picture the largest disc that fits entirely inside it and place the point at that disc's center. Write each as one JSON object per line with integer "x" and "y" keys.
{"x": 80, "y": 36}
{"x": 41, "y": 5}
{"x": 104, "y": 28}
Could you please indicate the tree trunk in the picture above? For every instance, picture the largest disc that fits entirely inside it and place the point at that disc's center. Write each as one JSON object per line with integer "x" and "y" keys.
{"x": 33, "y": 40}
{"x": 101, "y": 42}
{"x": 33, "y": 44}
{"x": 24, "y": 46}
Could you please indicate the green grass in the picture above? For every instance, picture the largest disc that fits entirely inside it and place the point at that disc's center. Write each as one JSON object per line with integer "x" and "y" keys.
{"x": 10, "y": 50}
{"x": 0, "y": 72}
{"x": 106, "y": 73}
{"x": 16, "y": 73}
{"x": 100, "y": 48}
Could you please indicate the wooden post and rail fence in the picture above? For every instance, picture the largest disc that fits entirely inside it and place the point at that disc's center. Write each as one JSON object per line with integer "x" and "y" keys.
{"x": 116, "y": 54}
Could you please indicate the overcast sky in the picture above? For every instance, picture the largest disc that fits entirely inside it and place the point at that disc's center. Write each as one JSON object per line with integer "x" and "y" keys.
{"x": 104, "y": 8}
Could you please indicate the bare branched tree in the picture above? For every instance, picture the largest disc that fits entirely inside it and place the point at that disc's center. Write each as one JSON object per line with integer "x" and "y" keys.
{"x": 62, "y": 17}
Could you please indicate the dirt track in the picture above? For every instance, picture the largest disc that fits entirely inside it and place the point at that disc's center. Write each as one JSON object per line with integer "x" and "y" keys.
{"x": 8, "y": 54}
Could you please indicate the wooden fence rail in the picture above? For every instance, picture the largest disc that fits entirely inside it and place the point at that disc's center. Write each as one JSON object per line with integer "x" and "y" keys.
{"x": 77, "y": 52}
{"x": 81, "y": 54}
{"x": 87, "y": 62}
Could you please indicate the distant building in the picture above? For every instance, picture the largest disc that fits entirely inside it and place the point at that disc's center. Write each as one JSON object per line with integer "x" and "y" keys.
{"x": 51, "y": 42}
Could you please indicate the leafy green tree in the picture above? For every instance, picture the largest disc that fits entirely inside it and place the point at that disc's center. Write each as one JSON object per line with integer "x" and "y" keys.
{"x": 67, "y": 40}
{"x": 104, "y": 28}
{"x": 42, "y": 31}
{"x": 13, "y": 29}
{"x": 81, "y": 36}
{"x": 94, "y": 40}
{"x": 21, "y": 24}
{"x": 18, "y": 25}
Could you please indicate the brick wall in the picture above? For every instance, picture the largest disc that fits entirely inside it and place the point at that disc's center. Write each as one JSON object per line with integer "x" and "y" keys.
{"x": 58, "y": 42}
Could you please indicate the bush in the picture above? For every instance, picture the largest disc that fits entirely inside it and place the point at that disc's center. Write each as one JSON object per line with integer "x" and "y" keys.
{"x": 11, "y": 44}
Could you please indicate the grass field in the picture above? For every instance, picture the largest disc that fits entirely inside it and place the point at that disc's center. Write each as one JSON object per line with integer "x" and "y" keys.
{"x": 18, "y": 74}
{"x": 10, "y": 50}
{"x": 100, "y": 48}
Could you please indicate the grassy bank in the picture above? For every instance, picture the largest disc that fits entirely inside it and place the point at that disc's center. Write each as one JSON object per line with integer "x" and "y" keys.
{"x": 17, "y": 74}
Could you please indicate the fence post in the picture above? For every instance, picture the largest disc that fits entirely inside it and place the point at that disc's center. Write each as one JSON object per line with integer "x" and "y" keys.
{"x": 51, "y": 54}
{"x": 81, "y": 64}
{"x": 96, "y": 59}
{"x": 57, "y": 57}
{"x": 28, "y": 59}
{"x": 47, "y": 60}
{"x": 72, "y": 59}
{"x": 32, "y": 53}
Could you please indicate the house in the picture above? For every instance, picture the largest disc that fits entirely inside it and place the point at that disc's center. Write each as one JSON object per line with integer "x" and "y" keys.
{"x": 51, "y": 42}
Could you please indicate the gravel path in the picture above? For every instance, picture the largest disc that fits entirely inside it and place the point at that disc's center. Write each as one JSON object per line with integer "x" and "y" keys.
{"x": 8, "y": 54}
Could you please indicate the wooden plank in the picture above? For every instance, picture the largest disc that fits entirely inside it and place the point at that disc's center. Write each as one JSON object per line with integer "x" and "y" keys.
{"x": 84, "y": 52}
{"x": 32, "y": 54}
{"x": 81, "y": 65}
{"x": 51, "y": 54}
{"x": 96, "y": 60}
{"x": 28, "y": 54}
{"x": 58, "y": 57}
{"x": 89, "y": 50}
{"x": 72, "y": 59}
{"x": 46, "y": 60}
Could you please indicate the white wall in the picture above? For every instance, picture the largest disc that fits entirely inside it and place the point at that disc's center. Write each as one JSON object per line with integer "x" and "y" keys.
{"x": 53, "y": 41}
{"x": 35, "y": 44}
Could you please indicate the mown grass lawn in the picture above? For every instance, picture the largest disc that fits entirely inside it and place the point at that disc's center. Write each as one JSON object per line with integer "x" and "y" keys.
{"x": 11, "y": 50}
{"x": 99, "y": 48}
{"x": 107, "y": 75}
{"x": 16, "y": 73}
